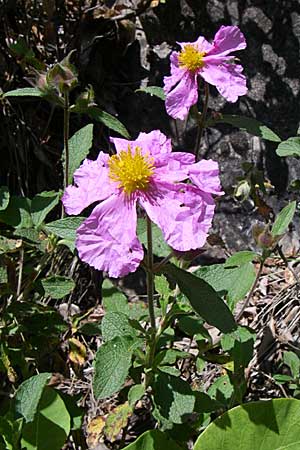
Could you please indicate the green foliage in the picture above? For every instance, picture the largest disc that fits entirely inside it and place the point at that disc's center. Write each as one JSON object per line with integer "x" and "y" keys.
{"x": 51, "y": 426}
{"x": 115, "y": 324}
{"x": 203, "y": 298}
{"x": 4, "y": 197}
{"x": 283, "y": 219}
{"x": 79, "y": 146}
{"x": 234, "y": 282}
{"x": 275, "y": 424}
{"x": 41, "y": 205}
{"x": 24, "y": 92}
{"x": 155, "y": 91}
{"x": 240, "y": 258}
{"x": 153, "y": 440}
{"x": 112, "y": 363}
{"x": 290, "y": 147}
{"x": 248, "y": 124}
{"x": 135, "y": 393}
{"x": 65, "y": 229}
{"x": 29, "y": 394}
{"x": 57, "y": 286}
{"x": 160, "y": 247}
{"x": 108, "y": 120}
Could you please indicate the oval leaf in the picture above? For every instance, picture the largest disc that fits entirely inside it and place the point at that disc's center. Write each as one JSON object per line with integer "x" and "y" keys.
{"x": 57, "y": 286}
{"x": 24, "y": 92}
{"x": 153, "y": 90}
{"x": 108, "y": 120}
{"x": 51, "y": 426}
{"x": 79, "y": 145}
{"x": 240, "y": 258}
{"x": 112, "y": 363}
{"x": 283, "y": 219}
{"x": 267, "y": 425}
{"x": 203, "y": 298}
{"x": 29, "y": 394}
{"x": 4, "y": 197}
{"x": 290, "y": 147}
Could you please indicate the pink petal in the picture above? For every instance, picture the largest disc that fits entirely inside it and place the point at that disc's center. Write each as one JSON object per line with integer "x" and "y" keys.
{"x": 183, "y": 96}
{"x": 176, "y": 73}
{"x": 227, "y": 78}
{"x": 201, "y": 44}
{"x": 205, "y": 175}
{"x": 183, "y": 213}
{"x": 152, "y": 143}
{"x": 107, "y": 239}
{"x": 173, "y": 167}
{"x": 227, "y": 40}
{"x": 92, "y": 185}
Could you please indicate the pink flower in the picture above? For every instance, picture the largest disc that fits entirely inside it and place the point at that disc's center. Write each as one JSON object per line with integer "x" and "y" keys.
{"x": 212, "y": 62}
{"x": 143, "y": 172}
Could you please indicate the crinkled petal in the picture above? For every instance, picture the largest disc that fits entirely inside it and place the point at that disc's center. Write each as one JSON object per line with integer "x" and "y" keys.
{"x": 227, "y": 78}
{"x": 173, "y": 167}
{"x": 183, "y": 96}
{"x": 107, "y": 239}
{"x": 183, "y": 212}
{"x": 153, "y": 143}
{"x": 92, "y": 184}
{"x": 176, "y": 73}
{"x": 205, "y": 175}
{"x": 227, "y": 40}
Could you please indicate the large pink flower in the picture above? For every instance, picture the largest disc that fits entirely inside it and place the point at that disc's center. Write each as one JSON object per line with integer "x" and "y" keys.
{"x": 142, "y": 172}
{"x": 212, "y": 62}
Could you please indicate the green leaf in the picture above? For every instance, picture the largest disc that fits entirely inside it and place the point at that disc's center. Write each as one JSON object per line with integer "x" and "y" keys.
{"x": 79, "y": 146}
{"x": 235, "y": 281}
{"x": 24, "y": 92}
{"x": 17, "y": 213}
{"x": 116, "y": 324}
{"x": 135, "y": 393}
{"x": 65, "y": 228}
{"x": 239, "y": 344}
{"x": 42, "y": 204}
{"x": 57, "y": 286}
{"x": 221, "y": 390}
{"x": 174, "y": 398}
{"x": 4, "y": 197}
{"x": 153, "y": 90}
{"x": 10, "y": 431}
{"x": 29, "y": 394}
{"x": 117, "y": 420}
{"x": 9, "y": 245}
{"x": 203, "y": 298}
{"x": 240, "y": 258}
{"x": 160, "y": 247}
{"x": 153, "y": 440}
{"x": 290, "y": 147}
{"x": 283, "y": 219}
{"x": 108, "y": 120}
{"x": 170, "y": 370}
{"x": 250, "y": 125}
{"x": 51, "y": 426}
{"x": 293, "y": 362}
{"x": 3, "y": 275}
{"x": 266, "y": 425}
{"x": 112, "y": 363}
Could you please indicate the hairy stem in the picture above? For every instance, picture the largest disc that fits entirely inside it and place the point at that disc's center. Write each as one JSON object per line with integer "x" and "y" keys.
{"x": 201, "y": 122}
{"x": 150, "y": 278}
{"x": 66, "y": 142}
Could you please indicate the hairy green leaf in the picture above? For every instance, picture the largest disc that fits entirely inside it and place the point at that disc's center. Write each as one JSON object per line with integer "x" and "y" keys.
{"x": 112, "y": 363}
{"x": 108, "y": 120}
{"x": 290, "y": 147}
{"x": 29, "y": 394}
{"x": 79, "y": 146}
{"x": 25, "y": 92}
{"x": 153, "y": 440}
{"x": 57, "y": 286}
{"x": 4, "y": 197}
{"x": 42, "y": 204}
{"x": 153, "y": 90}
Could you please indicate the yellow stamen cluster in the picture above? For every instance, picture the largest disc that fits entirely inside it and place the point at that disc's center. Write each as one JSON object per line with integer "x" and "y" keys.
{"x": 131, "y": 170}
{"x": 190, "y": 58}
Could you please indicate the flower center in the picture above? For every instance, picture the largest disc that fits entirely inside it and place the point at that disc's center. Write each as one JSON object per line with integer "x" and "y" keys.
{"x": 131, "y": 170}
{"x": 190, "y": 58}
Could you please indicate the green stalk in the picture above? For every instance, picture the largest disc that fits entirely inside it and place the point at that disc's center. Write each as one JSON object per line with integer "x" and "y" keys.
{"x": 66, "y": 136}
{"x": 150, "y": 277}
{"x": 201, "y": 122}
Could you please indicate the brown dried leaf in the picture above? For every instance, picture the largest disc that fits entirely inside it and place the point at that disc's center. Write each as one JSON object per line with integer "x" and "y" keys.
{"x": 94, "y": 431}
{"x": 77, "y": 352}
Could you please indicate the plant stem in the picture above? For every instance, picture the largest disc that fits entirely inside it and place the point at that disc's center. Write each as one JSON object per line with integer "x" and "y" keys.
{"x": 262, "y": 262}
{"x": 283, "y": 257}
{"x": 201, "y": 123}
{"x": 66, "y": 136}
{"x": 150, "y": 278}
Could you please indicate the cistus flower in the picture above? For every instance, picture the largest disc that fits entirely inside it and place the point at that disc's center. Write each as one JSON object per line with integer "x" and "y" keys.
{"x": 143, "y": 172}
{"x": 212, "y": 62}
